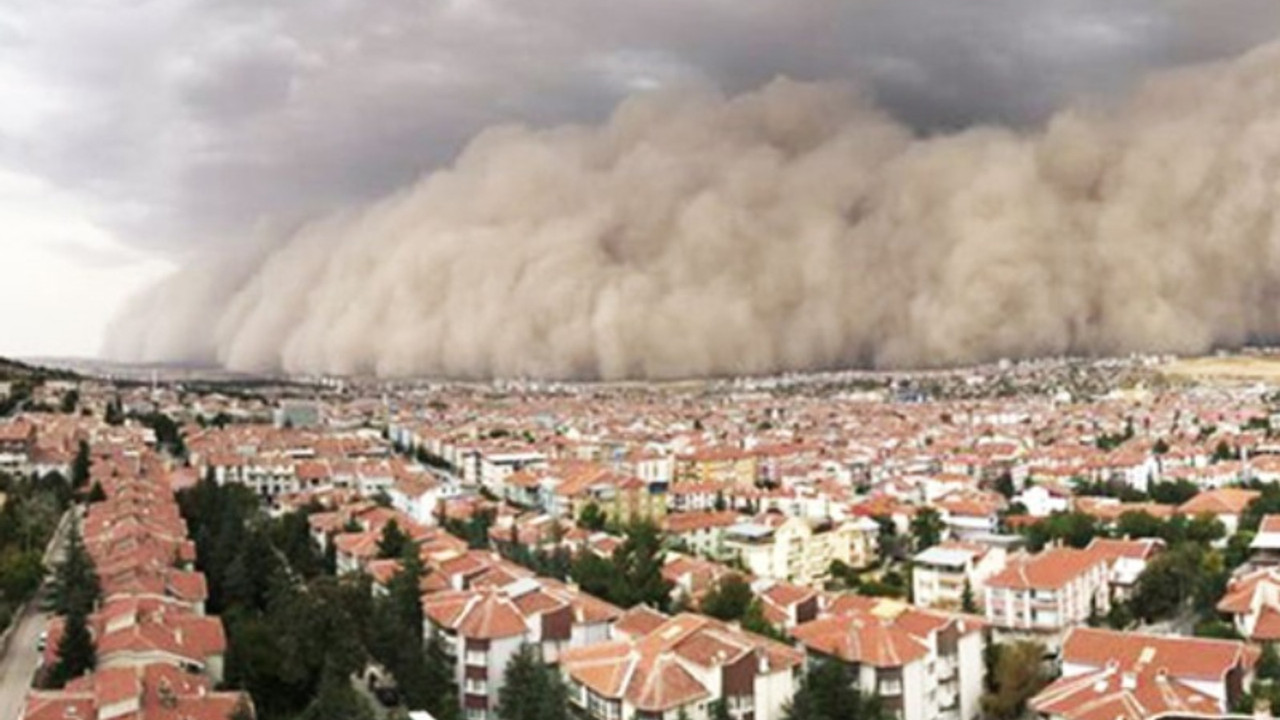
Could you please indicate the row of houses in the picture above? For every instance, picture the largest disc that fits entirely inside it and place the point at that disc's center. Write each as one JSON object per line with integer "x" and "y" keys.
{"x": 159, "y": 656}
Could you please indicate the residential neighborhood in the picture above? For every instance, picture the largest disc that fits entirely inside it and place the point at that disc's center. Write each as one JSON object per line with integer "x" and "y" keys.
{"x": 739, "y": 550}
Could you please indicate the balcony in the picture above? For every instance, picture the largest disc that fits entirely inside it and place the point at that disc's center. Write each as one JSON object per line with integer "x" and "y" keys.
{"x": 889, "y": 688}
{"x": 945, "y": 669}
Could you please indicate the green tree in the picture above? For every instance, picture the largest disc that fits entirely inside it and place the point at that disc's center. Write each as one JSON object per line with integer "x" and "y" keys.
{"x": 532, "y": 690}
{"x": 114, "y": 414}
{"x": 637, "y": 566}
{"x": 967, "y": 603}
{"x": 828, "y": 692}
{"x": 592, "y": 517}
{"x": 338, "y": 700}
{"x": 77, "y": 653}
{"x": 927, "y": 528}
{"x": 1268, "y": 667}
{"x": 80, "y": 466}
{"x": 70, "y": 399}
{"x": 728, "y": 599}
{"x": 393, "y": 542}
{"x": 593, "y": 574}
{"x": 1120, "y": 616}
{"x": 1018, "y": 675}
{"x": 75, "y": 582}
{"x": 1004, "y": 485}
{"x": 753, "y": 620}
{"x": 1139, "y": 524}
{"x": 719, "y": 710}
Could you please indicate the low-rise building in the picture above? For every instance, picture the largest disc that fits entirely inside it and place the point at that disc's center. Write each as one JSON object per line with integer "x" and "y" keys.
{"x": 1134, "y": 676}
{"x": 1126, "y": 559}
{"x": 148, "y": 692}
{"x": 484, "y": 626}
{"x": 923, "y": 665}
{"x": 942, "y": 574}
{"x": 679, "y": 669}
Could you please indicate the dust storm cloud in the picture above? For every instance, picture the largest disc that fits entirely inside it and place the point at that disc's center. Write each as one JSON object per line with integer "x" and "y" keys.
{"x": 795, "y": 227}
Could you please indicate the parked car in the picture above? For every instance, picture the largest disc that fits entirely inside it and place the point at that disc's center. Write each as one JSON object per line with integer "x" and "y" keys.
{"x": 42, "y": 641}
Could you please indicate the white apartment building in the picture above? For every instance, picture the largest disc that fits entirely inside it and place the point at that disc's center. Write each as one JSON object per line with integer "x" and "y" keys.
{"x": 940, "y": 574}
{"x": 1044, "y": 594}
{"x": 921, "y": 664}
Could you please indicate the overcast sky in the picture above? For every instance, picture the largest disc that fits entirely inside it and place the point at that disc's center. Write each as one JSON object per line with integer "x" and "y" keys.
{"x": 134, "y": 133}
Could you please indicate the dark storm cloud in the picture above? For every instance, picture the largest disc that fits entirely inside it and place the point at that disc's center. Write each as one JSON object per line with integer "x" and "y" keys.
{"x": 197, "y": 121}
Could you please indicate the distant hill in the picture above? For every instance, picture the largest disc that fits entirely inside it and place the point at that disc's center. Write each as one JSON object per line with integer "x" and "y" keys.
{"x": 15, "y": 371}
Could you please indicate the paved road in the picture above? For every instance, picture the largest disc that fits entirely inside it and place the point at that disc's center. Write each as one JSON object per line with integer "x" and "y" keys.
{"x": 20, "y": 659}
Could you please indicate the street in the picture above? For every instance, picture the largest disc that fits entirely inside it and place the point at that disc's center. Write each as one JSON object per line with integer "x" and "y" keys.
{"x": 20, "y": 659}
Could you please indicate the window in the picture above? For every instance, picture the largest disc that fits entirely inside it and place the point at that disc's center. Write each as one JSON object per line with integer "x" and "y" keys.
{"x": 477, "y": 714}
{"x": 477, "y": 658}
{"x": 602, "y": 707}
{"x": 477, "y": 687}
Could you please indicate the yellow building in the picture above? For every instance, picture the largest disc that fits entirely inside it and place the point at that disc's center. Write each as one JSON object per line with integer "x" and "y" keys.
{"x": 799, "y": 550}
{"x": 719, "y": 465}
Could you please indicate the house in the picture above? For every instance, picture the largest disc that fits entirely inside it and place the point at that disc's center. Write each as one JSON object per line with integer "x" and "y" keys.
{"x": 148, "y": 692}
{"x": 483, "y": 627}
{"x": 680, "y": 668}
{"x": 718, "y": 465}
{"x": 417, "y": 496}
{"x": 1044, "y": 499}
{"x": 700, "y": 532}
{"x": 17, "y": 443}
{"x": 1126, "y": 559}
{"x": 1042, "y": 595}
{"x": 1134, "y": 676}
{"x": 970, "y": 514}
{"x": 786, "y": 605}
{"x": 637, "y": 499}
{"x": 1265, "y": 546}
{"x": 923, "y": 665}
{"x": 1253, "y": 602}
{"x": 1226, "y": 504}
{"x": 137, "y": 632}
{"x": 941, "y": 573}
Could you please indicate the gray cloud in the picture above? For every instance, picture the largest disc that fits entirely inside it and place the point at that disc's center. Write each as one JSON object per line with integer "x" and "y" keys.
{"x": 192, "y": 121}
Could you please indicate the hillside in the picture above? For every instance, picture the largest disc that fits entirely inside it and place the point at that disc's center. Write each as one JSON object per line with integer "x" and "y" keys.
{"x": 15, "y": 371}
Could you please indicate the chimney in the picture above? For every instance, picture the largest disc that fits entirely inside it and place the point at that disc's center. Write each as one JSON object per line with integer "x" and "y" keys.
{"x": 1129, "y": 681}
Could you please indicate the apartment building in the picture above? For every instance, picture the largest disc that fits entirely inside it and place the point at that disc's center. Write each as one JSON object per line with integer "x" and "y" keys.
{"x": 680, "y": 668}
{"x": 1134, "y": 676}
{"x": 701, "y": 532}
{"x": 482, "y": 628}
{"x": 798, "y": 549}
{"x": 922, "y": 664}
{"x": 941, "y": 573}
{"x": 1042, "y": 595}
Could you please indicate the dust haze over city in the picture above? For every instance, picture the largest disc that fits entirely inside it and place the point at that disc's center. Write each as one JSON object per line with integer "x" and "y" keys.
{"x": 475, "y": 190}
{"x": 640, "y": 360}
